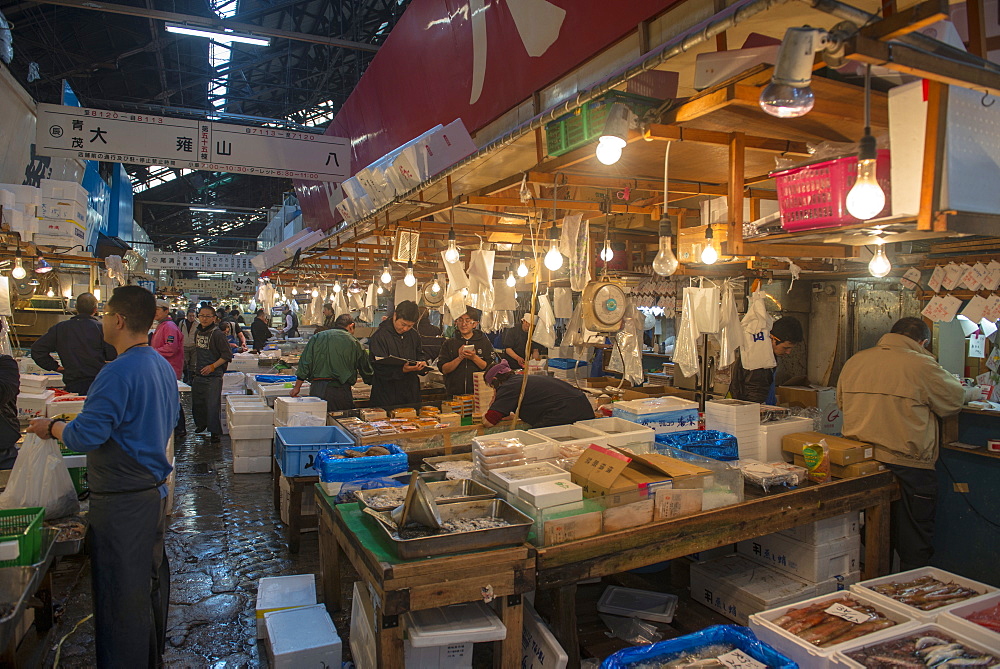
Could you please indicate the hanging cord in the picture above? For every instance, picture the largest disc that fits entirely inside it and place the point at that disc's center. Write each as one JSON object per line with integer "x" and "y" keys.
{"x": 55, "y": 663}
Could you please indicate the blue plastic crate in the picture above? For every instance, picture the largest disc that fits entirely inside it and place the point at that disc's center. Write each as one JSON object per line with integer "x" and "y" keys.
{"x": 348, "y": 474}
{"x": 566, "y": 363}
{"x": 740, "y": 637}
{"x": 296, "y": 447}
{"x": 275, "y": 378}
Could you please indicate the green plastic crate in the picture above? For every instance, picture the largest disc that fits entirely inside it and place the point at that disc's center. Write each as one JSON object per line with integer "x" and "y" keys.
{"x": 586, "y": 124}
{"x": 79, "y": 476}
{"x": 24, "y": 526}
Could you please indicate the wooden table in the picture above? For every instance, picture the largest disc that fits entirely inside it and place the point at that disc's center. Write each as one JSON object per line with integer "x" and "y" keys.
{"x": 296, "y": 521}
{"x": 398, "y": 586}
{"x": 559, "y": 568}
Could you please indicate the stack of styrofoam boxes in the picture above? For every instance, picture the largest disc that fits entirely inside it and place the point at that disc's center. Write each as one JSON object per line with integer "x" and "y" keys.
{"x": 482, "y": 395}
{"x": 286, "y": 407}
{"x": 252, "y": 433}
{"x": 771, "y": 434}
{"x": 33, "y": 396}
{"x": 661, "y": 414}
{"x": 302, "y": 637}
{"x": 269, "y": 391}
{"x": 20, "y": 206}
{"x": 71, "y": 405}
{"x": 233, "y": 383}
{"x": 277, "y": 593}
{"x": 443, "y": 637}
{"x": 621, "y": 432}
{"x": 740, "y": 419}
{"x": 572, "y": 439}
{"x": 509, "y": 449}
{"x": 62, "y": 217}
{"x": 826, "y": 553}
{"x": 247, "y": 363}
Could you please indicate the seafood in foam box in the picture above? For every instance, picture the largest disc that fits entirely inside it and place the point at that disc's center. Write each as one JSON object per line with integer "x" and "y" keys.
{"x": 925, "y": 645}
{"x": 920, "y": 592}
{"x": 961, "y": 620}
{"x": 810, "y": 631}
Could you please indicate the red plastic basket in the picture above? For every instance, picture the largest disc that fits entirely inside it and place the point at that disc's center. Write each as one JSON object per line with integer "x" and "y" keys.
{"x": 815, "y": 196}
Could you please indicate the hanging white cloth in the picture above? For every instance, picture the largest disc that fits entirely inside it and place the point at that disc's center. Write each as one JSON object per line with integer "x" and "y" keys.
{"x": 504, "y": 296}
{"x": 481, "y": 279}
{"x": 756, "y": 351}
{"x": 562, "y": 302}
{"x": 457, "y": 278}
{"x": 731, "y": 333}
{"x": 545, "y": 328}
{"x": 316, "y": 309}
{"x": 455, "y": 302}
{"x": 574, "y": 243}
{"x": 356, "y": 301}
{"x": 340, "y": 304}
{"x": 403, "y": 292}
{"x": 628, "y": 341}
{"x": 367, "y": 314}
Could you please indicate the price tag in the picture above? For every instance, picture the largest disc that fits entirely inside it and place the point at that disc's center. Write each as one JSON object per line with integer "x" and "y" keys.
{"x": 848, "y": 614}
{"x": 952, "y": 275}
{"x": 937, "y": 277}
{"x": 977, "y": 345}
{"x": 737, "y": 659}
{"x": 911, "y": 279}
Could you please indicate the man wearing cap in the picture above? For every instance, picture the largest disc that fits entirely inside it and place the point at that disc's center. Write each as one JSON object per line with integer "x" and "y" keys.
{"x": 515, "y": 340}
{"x": 467, "y": 352}
{"x": 331, "y": 363}
{"x": 548, "y": 401}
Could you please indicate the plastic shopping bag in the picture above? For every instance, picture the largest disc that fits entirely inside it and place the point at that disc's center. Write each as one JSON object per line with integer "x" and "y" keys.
{"x": 545, "y": 332}
{"x": 40, "y": 478}
{"x": 705, "y": 305}
{"x": 756, "y": 351}
{"x": 628, "y": 341}
{"x": 686, "y": 347}
{"x": 731, "y": 332}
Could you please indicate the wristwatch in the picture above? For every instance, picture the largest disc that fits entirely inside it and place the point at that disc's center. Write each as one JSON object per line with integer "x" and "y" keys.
{"x": 51, "y": 423}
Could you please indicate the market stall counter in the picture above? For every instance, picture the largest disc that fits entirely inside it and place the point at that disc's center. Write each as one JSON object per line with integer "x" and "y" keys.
{"x": 560, "y": 567}
{"x": 500, "y": 576}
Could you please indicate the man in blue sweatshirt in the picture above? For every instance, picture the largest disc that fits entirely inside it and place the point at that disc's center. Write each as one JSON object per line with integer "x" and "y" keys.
{"x": 129, "y": 415}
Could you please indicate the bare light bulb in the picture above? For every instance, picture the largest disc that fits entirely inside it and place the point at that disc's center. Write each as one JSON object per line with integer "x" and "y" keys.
{"x": 50, "y": 293}
{"x": 409, "y": 279}
{"x": 866, "y": 198}
{"x": 336, "y": 286}
{"x": 18, "y": 271}
{"x": 380, "y": 290}
{"x": 607, "y": 254}
{"x": 879, "y": 265}
{"x": 554, "y": 259}
{"x": 315, "y": 293}
{"x": 784, "y": 101}
{"x": 451, "y": 255}
{"x": 295, "y": 291}
{"x": 709, "y": 255}
{"x": 386, "y": 276}
{"x": 522, "y": 269}
{"x": 97, "y": 294}
{"x": 609, "y": 152}
{"x": 511, "y": 280}
{"x": 436, "y": 287}
{"x": 665, "y": 263}
{"x": 68, "y": 293}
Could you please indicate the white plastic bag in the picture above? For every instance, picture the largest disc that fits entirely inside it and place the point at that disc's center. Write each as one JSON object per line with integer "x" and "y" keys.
{"x": 628, "y": 348}
{"x": 686, "y": 347}
{"x": 731, "y": 333}
{"x": 40, "y": 478}
{"x": 705, "y": 305}
{"x": 756, "y": 351}
{"x": 545, "y": 329}
{"x": 574, "y": 243}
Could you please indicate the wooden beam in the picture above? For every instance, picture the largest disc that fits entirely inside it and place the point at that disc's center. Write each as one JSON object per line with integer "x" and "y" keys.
{"x": 903, "y": 58}
{"x": 685, "y": 188}
{"x": 737, "y": 173}
{"x": 562, "y": 204}
{"x": 675, "y": 133}
{"x": 799, "y": 250}
{"x": 933, "y": 160}
{"x": 896, "y": 23}
{"x": 975, "y": 16}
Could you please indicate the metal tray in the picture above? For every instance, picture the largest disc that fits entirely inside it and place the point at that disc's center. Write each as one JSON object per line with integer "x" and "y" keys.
{"x": 432, "y": 462}
{"x": 15, "y": 588}
{"x": 459, "y": 542}
{"x": 459, "y": 490}
{"x": 45, "y": 555}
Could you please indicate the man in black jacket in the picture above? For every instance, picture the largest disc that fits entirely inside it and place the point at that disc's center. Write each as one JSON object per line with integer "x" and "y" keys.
{"x": 259, "y": 331}
{"x": 213, "y": 356}
{"x": 469, "y": 351}
{"x": 10, "y": 426}
{"x": 80, "y": 345}
{"x": 397, "y": 358}
{"x": 758, "y": 385}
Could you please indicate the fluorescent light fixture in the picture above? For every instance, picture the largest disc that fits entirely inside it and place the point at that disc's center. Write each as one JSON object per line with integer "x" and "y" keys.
{"x": 227, "y": 36}
{"x": 210, "y": 211}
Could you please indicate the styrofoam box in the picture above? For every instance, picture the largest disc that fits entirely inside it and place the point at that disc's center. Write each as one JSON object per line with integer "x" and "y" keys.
{"x": 934, "y": 572}
{"x": 66, "y": 406}
{"x": 547, "y": 472}
{"x": 540, "y": 648}
{"x": 362, "y": 637}
{"x": 250, "y": 415}
{"x": 924, "y": 629}
{"x": 33, "y": 382}
{"x": 32, "y": 405}
{"x": 954, "y": 619}
{"x": 809, "y": 562}
{"x": 233, "y": 381}
{"x": 771, "y": 434}
{"x": 662, "y": 414}
{"x": 286, "y": 406}
{"x": 808, "y": 654}
{"x": 283, "y": 592}
{"x": 63, "y": 190}
{"x": 536, "y": 447}
{"x": 573, "y": 434}
{"x": 251, "y": 465}
{"x": 620, "y": 432}
{"x": 242, "y": 398}
{"x": 239, "y": 430}
{"x": 302, "y": 637}
{"x": 550, "y": 493}
{"x": 826, "y": 530}
{"x": 443, "y": 637}
{"x": 76, "y": 460}
{"x": 251, "y": 448}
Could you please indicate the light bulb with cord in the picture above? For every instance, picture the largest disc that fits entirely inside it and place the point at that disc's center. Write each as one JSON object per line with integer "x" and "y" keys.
{"x": 295, "y": 291}
{"x": 665, "y": 263}
{"x": 789, "y": 95}
{"x": 18, "y": 272}
{"x": 315, "y": 292}
{"x": 380, "y": 290}
{"x": 50, "y": 293}
{"x": 866, "y": 198}
{"x": 614, "y": 136}
{"x": 386, "y": 276}
{"x": 607, "y": 254}
{"x": 554, "y": 258}
{"x": 409, "y": 279}
{"x": 436, "y": 286}
{"x": 336, "y": 286}
{"x": 522, "y": 269}
{"x": 451, "y": 256}
{"x": 709, "y": 255}
{"x": 511, "y": 279}
{"x": 879, "y": 265}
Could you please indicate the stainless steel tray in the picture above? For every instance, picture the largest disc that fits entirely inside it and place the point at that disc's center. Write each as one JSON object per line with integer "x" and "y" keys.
{"x": 432, "y": 462}
{"x": 459, "y": 542}
{"x": 15, "y": 588}
{"x": 460, "y": 490}
{"x": 45, "y": 555}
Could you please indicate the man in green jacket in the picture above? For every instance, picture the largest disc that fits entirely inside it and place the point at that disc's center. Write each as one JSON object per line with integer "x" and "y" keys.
{"x": 331, "y": 363}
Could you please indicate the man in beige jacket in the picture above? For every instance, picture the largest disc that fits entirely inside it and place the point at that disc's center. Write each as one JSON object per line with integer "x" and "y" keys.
{"x": 891, "y": 396}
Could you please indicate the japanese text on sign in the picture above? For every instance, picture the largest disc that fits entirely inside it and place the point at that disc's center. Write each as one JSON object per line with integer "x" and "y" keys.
{"x": 139, "y": 139}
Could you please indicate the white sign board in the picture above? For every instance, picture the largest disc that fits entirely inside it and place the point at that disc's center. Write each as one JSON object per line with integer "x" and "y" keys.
{"x": 141, "y": 139}
{"x": 217, "y": 262}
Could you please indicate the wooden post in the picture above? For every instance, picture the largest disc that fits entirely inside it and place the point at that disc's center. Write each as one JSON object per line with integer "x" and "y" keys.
{"x": 934, "y": 156}
{"x": 737, "y": 175}
{"x": 975, "y": 16}
{"x": 721, "y": 43}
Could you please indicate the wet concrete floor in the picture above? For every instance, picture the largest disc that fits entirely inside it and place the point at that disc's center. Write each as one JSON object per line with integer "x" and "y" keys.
{"x": 223, "y": 536}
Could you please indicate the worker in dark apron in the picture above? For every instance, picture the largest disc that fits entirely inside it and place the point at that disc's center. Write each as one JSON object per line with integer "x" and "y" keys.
{"x": 130, "y": 413}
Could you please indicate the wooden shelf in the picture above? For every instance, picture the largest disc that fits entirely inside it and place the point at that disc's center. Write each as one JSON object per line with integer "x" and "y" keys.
{"x": 978, "y": 450}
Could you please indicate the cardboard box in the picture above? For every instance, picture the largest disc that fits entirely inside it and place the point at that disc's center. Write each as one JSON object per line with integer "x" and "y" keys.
{"x": 849, "y": 471}
{"x": 603, "y": 382}
{"x": 644, "y": 392}
{"x": 609, "y": 471}
{"x": 571, "y": 528}
{"x": 823, "y": 398}
{"x": 843, "y": 452}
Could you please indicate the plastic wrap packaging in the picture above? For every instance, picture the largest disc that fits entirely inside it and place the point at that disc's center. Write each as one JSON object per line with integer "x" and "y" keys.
{"x": 334, "y": 467}
{"x": 723, "y": 488}
{"x": 808, "y": 412}
{"x": 767, "y": 476}
{"x": 457, "y": 278}
{"x": 576, "y": 335}
{"x": 306, "y": 420}
{"x": 731, "y": 333}
{"x": 346, "y": 494}
{"x": 574, "y": 243}
{"x": 275, "y": 378}
{"x": 686, "y": 348}
{"x": 628, "y": 342}
{"x": 706, "y": 443}
{"x": 545, "y": 328}
{"x": 724, "y": 638}
{"x": 633, "y": 630}
{"x": 481, "y": 279}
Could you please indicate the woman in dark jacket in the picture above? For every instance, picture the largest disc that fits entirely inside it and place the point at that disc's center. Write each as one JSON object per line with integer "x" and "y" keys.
{"x": 10, "y": 427}
{"x": 397, "y": 358}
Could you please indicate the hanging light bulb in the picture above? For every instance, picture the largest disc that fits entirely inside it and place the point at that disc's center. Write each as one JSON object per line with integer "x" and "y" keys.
{"x": 615, "y": 134}
{"x": 866, "y": 199}
{"x": 522, "y": 269}
{"x": 709, "y": 255}
{"x": 336, "y": 286}
{"x": 511, "y": 280}
{"x": 97, "y": 293}
{"x": 409, "y": 279}
{"x": 436, "y": 286}
{"x": 553, "y": 259}
{"x": 315, "y": 292}
{"x": 50, "y": 293}
{"x": 789, "y": 94}
{"x": 355, "y": 286}
{"x": 665, "y": 263}
{"x": 68, "y": 293}
{"x": 18, "y": 271}
{"x": 607, "y": 254}
{"x": 608, "y": 153}
{"x": 879, "y": 265}
{"x": 380, "y": 290}
{"x": 451, "y": 256}
{"x": 386, "y": 276}
{"x": 465, "y": 292}
{"x": 295, "y": 291}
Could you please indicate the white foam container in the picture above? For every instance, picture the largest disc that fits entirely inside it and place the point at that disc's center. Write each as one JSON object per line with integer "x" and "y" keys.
{"x": 240, "y": 430}
{"x": 922, "y": 629}
{"x": 550, "y": 493}
{"x": 633, "y": 603}
{"x": 362, "y": 638}
{"x": 954, "y": 619}
{"x": 283, "y": 592}
{"x": 251, "y": 465}
{"x": 66, "y": 406}
{"x": 826, "y": 530}
{"x": 242, "y": 398}
{"x": 661, "y": 414}
{"x": 771, "y": 434}
{"x": 33, "y": 405}
{"x": 247, "y": 414}
{"x": 811, "y": 563}
{"x": 251, "y": 448}
{"x": 620, "y": 432}
{"x": 807, "y": 654}
{"x": 443, "y": 637}
{"x": 913, "y": 612}
{"x": 302, "y": 637}
{"x": 571, "y": 435}
{"x": 284, "y": 407}
{"x": 540, "y": 648}
{"x": 548, "y": 472}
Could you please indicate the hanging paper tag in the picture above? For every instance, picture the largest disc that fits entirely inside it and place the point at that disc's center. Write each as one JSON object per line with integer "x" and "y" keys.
{"x": 992, "y": 279}
{"x": 950, "y": 306}
{"x": 737, "y": 659}
{"x": 992, "y": 310}
{"x": 977, "y": 345}
{"x": 911, "y": 278}
{"x": 847, "y": 613}
{"x": 933, "y": 309}
{"x": 937, "y": 277}
{"x": 975, "y": 308}
{"x": 969, "y": 278}
{"x": 952, "y": 275}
